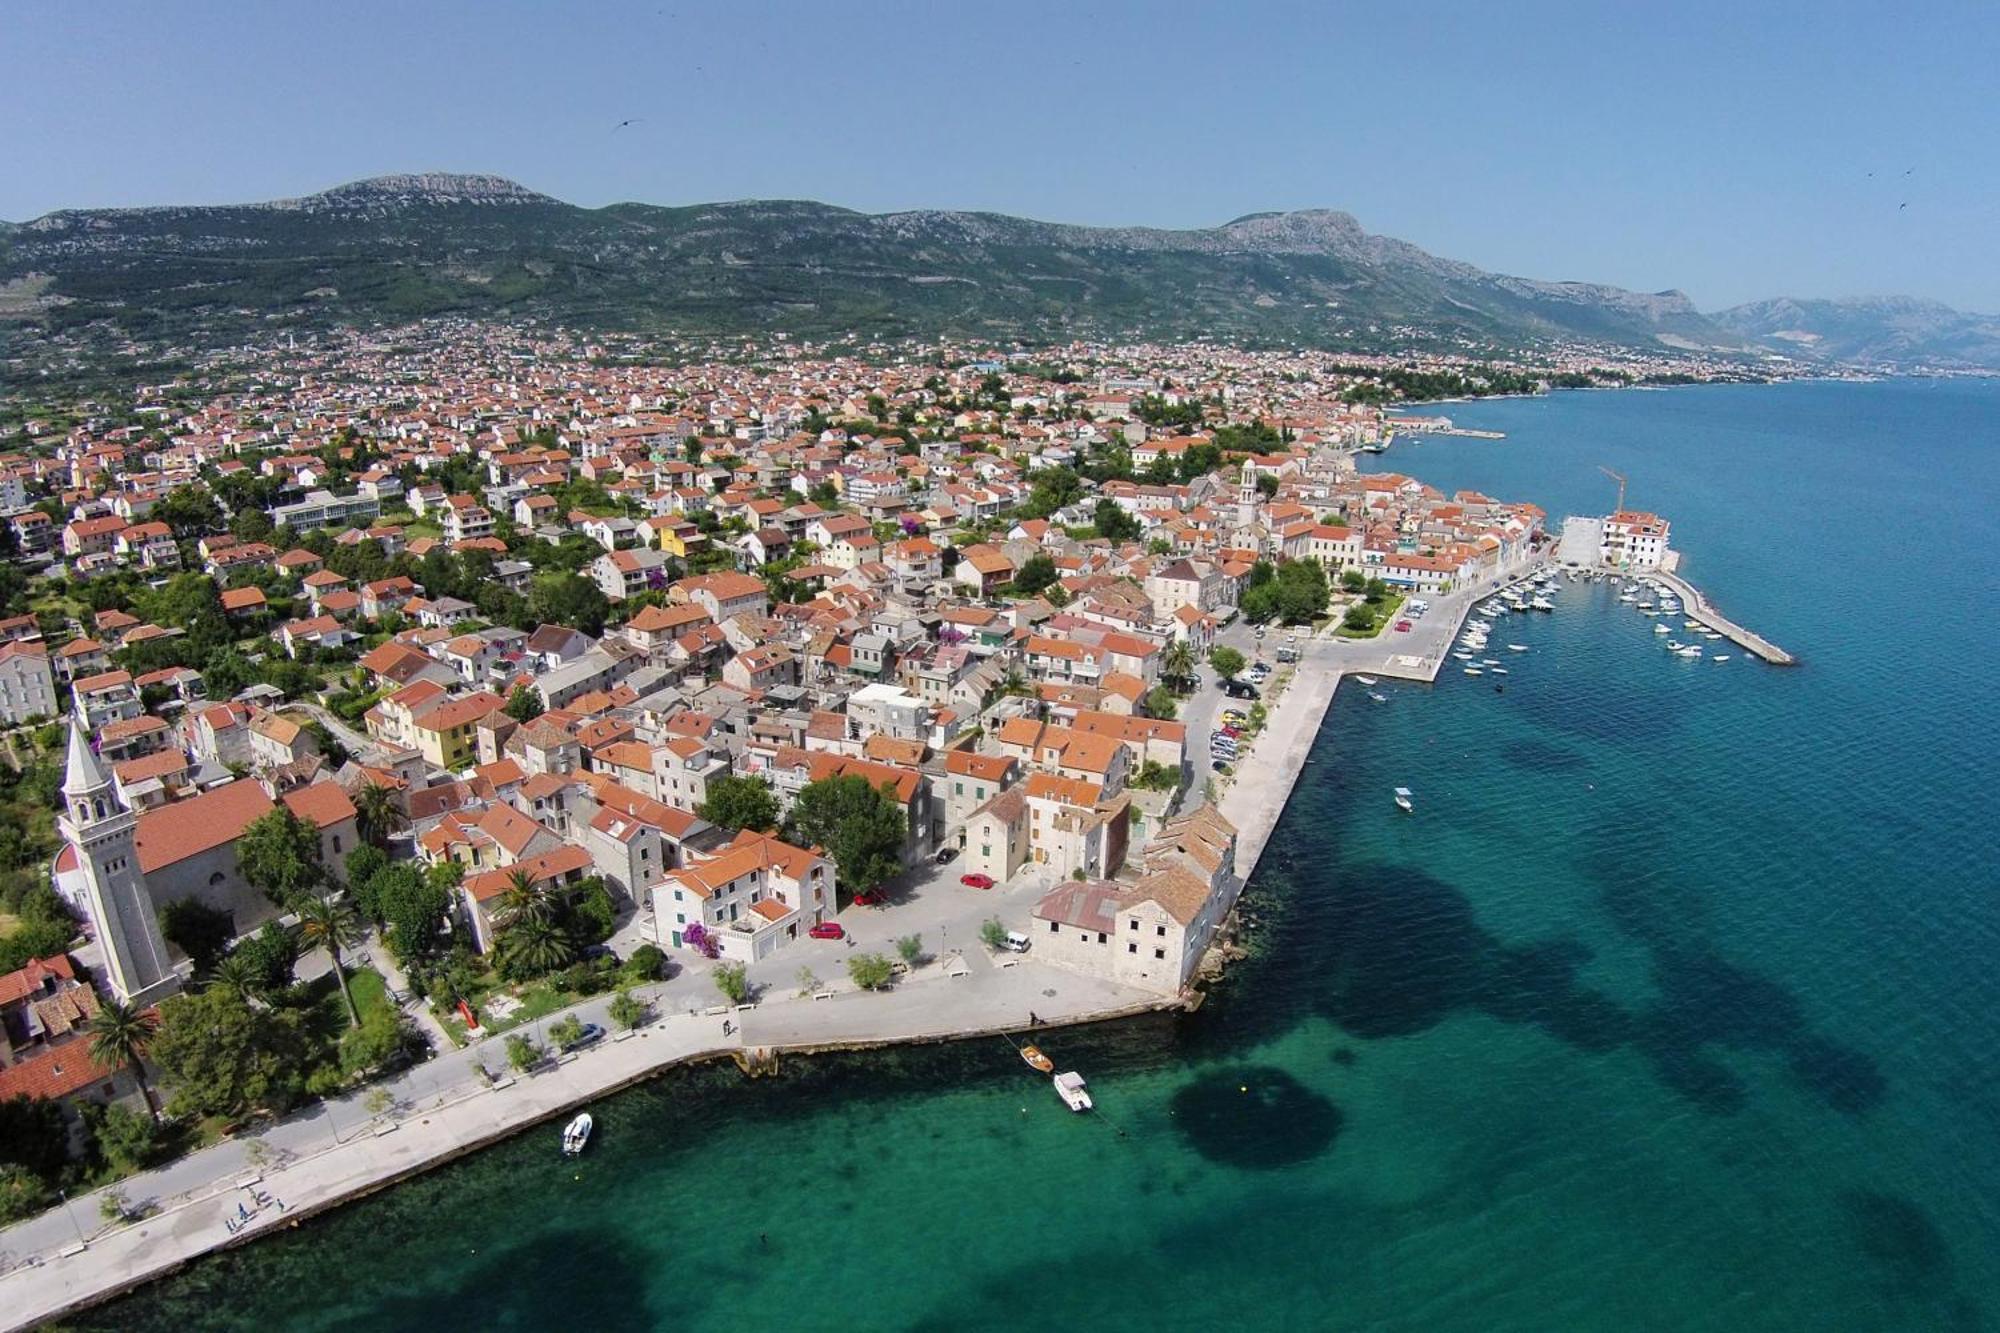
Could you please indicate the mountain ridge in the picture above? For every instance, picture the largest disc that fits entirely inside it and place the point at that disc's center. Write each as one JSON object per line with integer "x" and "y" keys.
{"x": 388, "y": 248}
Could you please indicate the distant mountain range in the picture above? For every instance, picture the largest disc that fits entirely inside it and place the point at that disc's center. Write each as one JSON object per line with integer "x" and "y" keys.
{"x": 399, "y": 247}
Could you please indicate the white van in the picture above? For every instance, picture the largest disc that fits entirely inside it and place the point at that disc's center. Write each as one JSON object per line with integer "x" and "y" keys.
{"x": 1016, "y": 942}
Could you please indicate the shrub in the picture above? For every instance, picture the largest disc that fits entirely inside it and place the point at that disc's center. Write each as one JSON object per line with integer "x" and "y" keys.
{"x": 627, "y": 1011}
{"x": 911, "y": 948}
{"x": 522, "y": 1052}
{"x": 870, "y": 971}
{"x": 992, "y": 933}
{"x": 646, "y": 963}
{"x": 732, "y": 980}
{"x": 565, "y": 1030}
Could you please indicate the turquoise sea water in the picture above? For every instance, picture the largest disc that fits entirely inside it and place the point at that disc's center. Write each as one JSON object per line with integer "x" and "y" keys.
{"x": 1672, "y": 1006}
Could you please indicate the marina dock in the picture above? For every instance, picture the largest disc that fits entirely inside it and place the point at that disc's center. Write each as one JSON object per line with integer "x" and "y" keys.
{"x": 1697, "y": 608}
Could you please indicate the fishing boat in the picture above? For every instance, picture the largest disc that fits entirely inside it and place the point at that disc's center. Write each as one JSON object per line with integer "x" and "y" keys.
{"x": 1365, "y": 680}
{"x": 1473, "y": 671}
{"x": 1720, "y": 657}
{"x": 1517, "y": 647}
{"x": 1036, "y": 1060}
{"x": 575, "y": 1134}
{"x": 1069, "y": 1087}
{"x": 1403, "y": 801}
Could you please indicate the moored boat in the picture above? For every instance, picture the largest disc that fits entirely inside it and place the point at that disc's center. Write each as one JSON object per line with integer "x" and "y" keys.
{"x": 576, "y": 1134}
{"x": 1036, "y": 1060}
{"x": 1403, "y": 801}
{"x": 1070, "y": 1088}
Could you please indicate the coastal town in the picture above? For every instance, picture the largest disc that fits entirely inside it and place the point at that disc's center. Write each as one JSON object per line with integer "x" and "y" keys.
{"x": 416, "y": 711}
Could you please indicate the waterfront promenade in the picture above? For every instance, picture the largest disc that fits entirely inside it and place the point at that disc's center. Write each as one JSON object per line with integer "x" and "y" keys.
{"x": 337, "y": 1151}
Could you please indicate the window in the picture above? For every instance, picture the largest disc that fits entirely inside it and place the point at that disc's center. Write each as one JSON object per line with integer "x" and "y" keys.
{"x": 1100, "y": 937}
{"x": 1055, "y": 928}
{"x": 336, "y": 844}
{"x": 1131, "y": 948}
{"x": 1132, "y": 924}
{"x": 1161, "y": 931}
{"x": 1159, "y": 953}
{"x": 958, "y": 789}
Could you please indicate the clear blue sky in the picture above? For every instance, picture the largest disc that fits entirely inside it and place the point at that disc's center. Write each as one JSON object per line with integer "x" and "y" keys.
{"x": 1716, "y": 147}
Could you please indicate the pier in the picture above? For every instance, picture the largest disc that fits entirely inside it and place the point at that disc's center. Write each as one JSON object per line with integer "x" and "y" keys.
{"x": 1698, "y": 609}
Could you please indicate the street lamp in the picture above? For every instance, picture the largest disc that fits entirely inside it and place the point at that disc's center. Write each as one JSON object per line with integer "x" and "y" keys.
{"x": 71, "y": 1214}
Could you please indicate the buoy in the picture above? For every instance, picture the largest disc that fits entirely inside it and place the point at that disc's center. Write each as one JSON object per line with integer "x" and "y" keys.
{"x": 1242, "y": 1088}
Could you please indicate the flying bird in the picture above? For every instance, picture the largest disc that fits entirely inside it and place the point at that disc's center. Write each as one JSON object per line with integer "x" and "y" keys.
{"x": 623, "y": 123}
{"x": 1900, "y": 207}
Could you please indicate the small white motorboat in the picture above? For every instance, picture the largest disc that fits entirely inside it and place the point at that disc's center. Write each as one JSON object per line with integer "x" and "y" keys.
{"x": 1498, "y": 671}
{"x": 1364, "y": 680}
{"x": 1720, "y": 657}
{"x": 575, "y": 1134}
{"x": 1517, "y": 647}
{"x": 1377, "y": 697}
{"x": 1403, "y": 801}
{"x": 1661, "y": 629}
{"x": 1462, "y": 655}
{"x": 1473, "y": 671}
{"x": 1069, "y": 1087}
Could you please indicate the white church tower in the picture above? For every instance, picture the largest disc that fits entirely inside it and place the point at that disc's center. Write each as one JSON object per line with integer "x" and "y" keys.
{"x": 101, "y": 829}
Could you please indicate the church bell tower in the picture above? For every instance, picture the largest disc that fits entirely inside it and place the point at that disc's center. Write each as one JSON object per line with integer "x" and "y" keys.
{"x": 97, "y": 824}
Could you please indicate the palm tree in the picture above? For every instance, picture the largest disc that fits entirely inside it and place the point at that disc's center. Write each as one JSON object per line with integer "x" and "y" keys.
{"x": 1178, "y": 663}
{"x": 376, "y": 812}
{"x": 236, "y": 973}
{"x": 525, "y": 901}
{"x": 118, "y": 1036}
{"x": 536, "y": 946}
{"x": 330, "y": 923}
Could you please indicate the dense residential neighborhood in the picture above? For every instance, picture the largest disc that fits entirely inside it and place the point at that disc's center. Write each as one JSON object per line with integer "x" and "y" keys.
{"x": 523, "y": 672}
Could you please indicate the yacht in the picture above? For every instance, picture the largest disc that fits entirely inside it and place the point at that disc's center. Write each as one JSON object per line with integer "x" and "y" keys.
{"x": 1403, "y": 801}
{"x": 1069, "y": 1087}
{"x": 575, "y": 1134}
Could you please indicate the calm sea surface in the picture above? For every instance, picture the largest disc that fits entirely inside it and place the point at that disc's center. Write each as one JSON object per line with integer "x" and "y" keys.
{"x": 1675, "y": 1005}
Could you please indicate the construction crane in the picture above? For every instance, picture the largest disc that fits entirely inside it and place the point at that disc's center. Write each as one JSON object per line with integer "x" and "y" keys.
{"x": 1618, "y": 477}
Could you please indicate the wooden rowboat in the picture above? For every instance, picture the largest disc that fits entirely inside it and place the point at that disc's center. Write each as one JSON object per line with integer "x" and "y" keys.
{"x": 1035, "y": 1058}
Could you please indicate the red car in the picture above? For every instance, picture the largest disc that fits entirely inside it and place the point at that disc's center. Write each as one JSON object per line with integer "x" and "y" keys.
{"x": 1402, "y": 627}
{"x": 827, "y": 930}
{"x": 867, "y": 899}
{"x": 976, "y": 881}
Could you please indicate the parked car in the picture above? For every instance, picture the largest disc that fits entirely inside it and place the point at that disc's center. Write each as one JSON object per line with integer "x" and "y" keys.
{"x": 1402, "y": 627}
{"x": 867, "y": 899}
{"x": 1240, "y": 689}
{"x": 945, "y": 854}
{"x": 590, "y": 1036}
{"x": 1016, "y": 942}
{"x": 1231, "y": 732}
{"x": 1219, "y": 765}
{"x": 828, "y": 930}
{"x": 976, "y": 881}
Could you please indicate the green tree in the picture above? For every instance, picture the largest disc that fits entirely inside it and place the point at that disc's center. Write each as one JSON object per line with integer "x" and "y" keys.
{"x": 189, "y": 510}
{"x": 414, "y": 909}
{"x": 522, "y": 1052}
{"x": 197, "y": 930}
{"x": 383, "y": 1039}
{"x": 279, "y": 854}
{"x": 870, "y": 971}
{"x": 22, "y": 1193}
{"x": 1113, "y": 522}
{"x": 740, "y": 802}
{"x": 1227, "y": 661}
{"x": 1177, "y": 663}
{"x": 1037, "y": 572}
{"x": 993, "y": 933}
{"x": 861, "y": 828}
{"x": 120, "y": 1034}
{"x": 910, "y": 948}
{"x": 733, "y": 981}
{"x": 127, "y": 1140}
{"x": 271, "y": 955}
{"x": 34, "y": 1136}
{"x": 535, "y": 946}
{"x": 1160, "y": 703}
{"x": 332, "y": 924}
{"x": 626, "y": 1010}
{"x": 525, "y": 703}
{"x": 565, "y": 1030}
{"x": 558, "y": 597}
{"x": 222, "y": 1056}
{"x": 1353, "y": 580}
